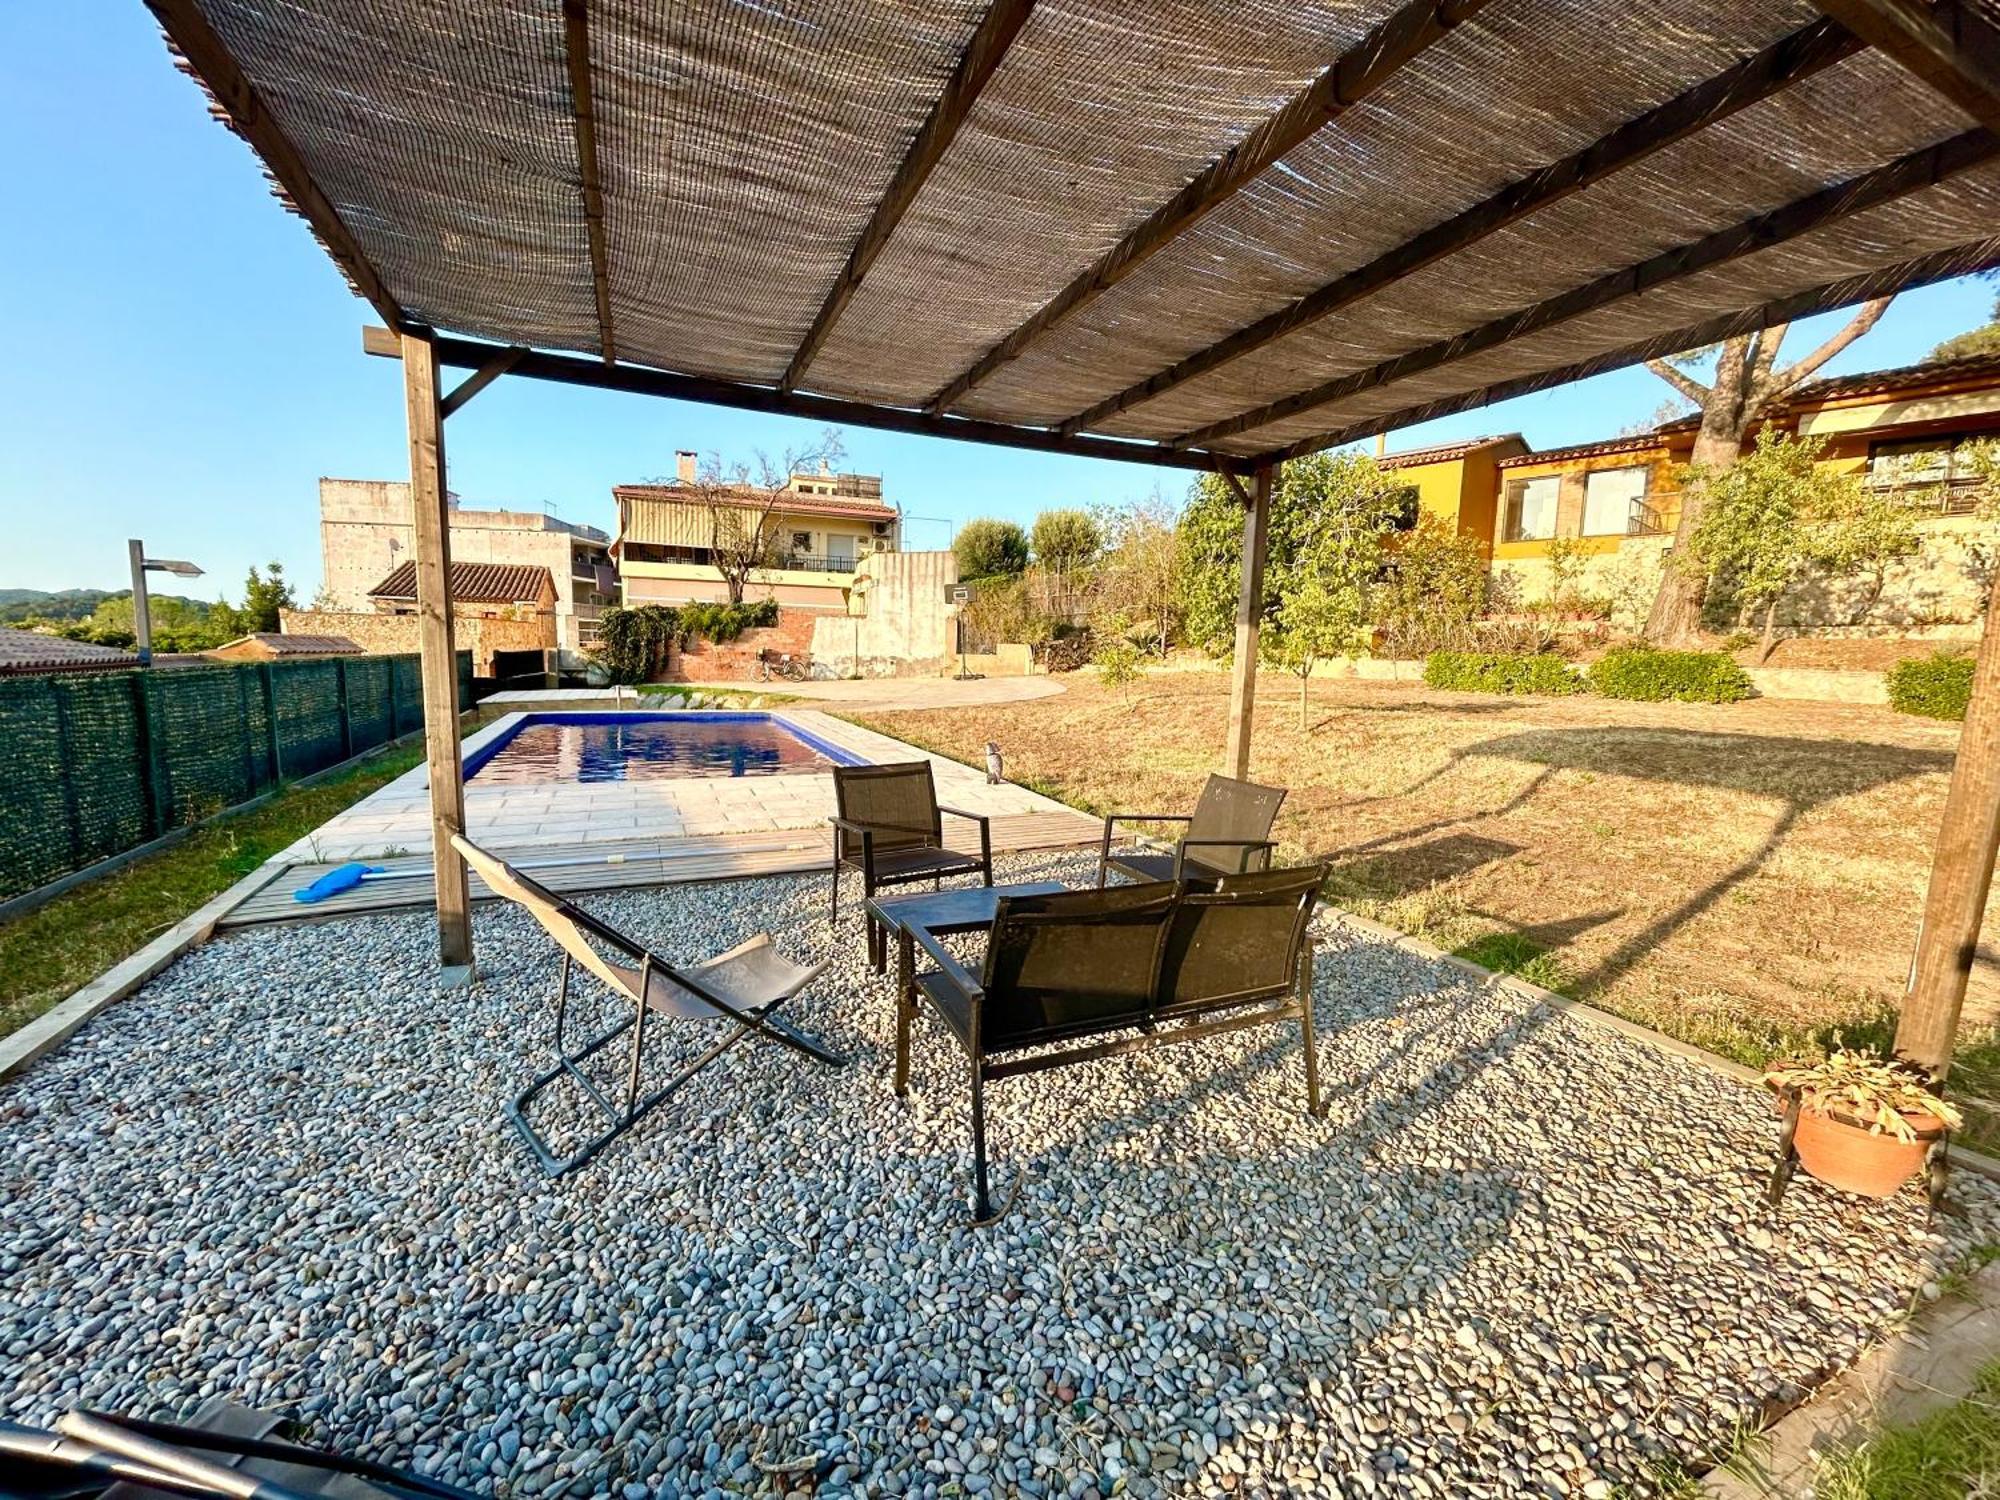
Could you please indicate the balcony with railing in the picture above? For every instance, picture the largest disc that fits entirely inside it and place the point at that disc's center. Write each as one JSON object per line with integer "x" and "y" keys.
{"x": 1959, "y": 495}
{"x": 806, "y": 562}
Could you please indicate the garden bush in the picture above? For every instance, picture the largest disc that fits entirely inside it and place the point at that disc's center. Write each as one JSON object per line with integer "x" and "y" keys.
{"x": 1501, "y": 672}
{"x": 1935, "y": 686}
{"x": 1649, "y": 676}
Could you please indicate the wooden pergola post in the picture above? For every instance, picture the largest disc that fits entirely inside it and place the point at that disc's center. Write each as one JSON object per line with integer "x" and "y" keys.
{"x": 431, "y": 517}
{"x": 1249, "y": 612}
{"x": 1961, "y": 870}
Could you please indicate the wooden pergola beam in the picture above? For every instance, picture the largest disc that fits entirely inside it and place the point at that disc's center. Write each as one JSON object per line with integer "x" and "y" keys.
{"x": 430, "y": 508}
{"x": 989, "y": 44}
{"x": 1908, "y": 174}
{"x": 210, "y": 61}
{"x": 1354, "y": 76}
{"x": 1249, "y": 623}
{"x": 1756, "y": 78}
{"x": 1952, "y": 45}
{"x": 1943, "y": 265}
{"x": 572, "y": 370}
{"x": 502, "y": 361}
{"x": 576, "y": 53}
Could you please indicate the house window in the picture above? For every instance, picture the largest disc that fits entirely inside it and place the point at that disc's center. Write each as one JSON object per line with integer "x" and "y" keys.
{"x": 802, "y": 541}
{"x": 1611, "y": 501}
{"x": 1531, "y": 508}
{"x": 1928, "y": 460}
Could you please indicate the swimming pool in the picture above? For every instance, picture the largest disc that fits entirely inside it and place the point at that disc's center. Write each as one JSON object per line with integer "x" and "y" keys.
{"x": 650, "y": 747}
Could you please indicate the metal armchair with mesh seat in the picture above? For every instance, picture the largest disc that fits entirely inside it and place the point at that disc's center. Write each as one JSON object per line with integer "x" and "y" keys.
{"x": 889, "y": 828}
{"x": 1228, "y": 833}
{"x": 1138, "y": 966}
{"x": 743, "y": 987}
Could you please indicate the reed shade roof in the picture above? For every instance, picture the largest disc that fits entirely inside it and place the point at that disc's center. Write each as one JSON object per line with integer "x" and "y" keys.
{"x": 701, "y": 188}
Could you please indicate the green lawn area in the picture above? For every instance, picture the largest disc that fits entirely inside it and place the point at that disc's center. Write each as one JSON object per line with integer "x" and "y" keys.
{"x": 48, "y": 953}
{"x": 1952, "y": 1455}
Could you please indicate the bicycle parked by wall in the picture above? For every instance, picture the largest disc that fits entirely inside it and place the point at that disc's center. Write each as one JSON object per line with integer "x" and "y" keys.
{"x": 783, "y": 665}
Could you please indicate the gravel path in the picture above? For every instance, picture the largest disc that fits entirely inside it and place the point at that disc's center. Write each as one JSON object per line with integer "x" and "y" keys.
{"x": 1522, "y": 1256}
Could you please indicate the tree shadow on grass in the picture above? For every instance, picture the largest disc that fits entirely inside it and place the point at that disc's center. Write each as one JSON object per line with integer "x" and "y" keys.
{"x": 1396, "y": 872}
{"x": 1801, "y": 774}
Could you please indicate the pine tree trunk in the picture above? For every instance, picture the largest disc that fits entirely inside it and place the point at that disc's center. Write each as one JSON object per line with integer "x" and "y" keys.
{"x": 1676, "y": 616}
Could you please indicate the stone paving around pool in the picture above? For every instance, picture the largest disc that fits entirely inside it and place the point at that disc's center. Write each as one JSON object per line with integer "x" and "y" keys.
{"x": 1522, "y": 1256}
{"x": 565, "y": 815}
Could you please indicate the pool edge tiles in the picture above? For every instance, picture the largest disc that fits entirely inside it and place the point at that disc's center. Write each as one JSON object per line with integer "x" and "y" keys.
{"x": 485, "y": 747}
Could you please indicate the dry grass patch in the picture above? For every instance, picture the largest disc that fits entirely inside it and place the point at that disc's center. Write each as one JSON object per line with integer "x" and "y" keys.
{"x": 1745, "y": 876}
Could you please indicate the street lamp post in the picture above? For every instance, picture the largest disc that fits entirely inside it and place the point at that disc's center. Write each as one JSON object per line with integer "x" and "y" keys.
{"x": 142, "y": 612}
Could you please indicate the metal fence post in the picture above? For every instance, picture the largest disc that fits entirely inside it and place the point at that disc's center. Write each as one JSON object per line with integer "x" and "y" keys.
{"x": 346, "y": 718}
{"x": 159, "y": 798}
{"x": 271, "y": 722}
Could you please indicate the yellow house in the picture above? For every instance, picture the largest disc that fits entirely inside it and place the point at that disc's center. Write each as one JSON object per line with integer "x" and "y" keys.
{"x": 819, "y": 530}
{"x": 1456, "y": 481}
{"x": 1906, "y": 431}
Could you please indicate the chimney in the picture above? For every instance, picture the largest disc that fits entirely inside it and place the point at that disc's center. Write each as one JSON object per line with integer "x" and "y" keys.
{"x": 1381, "y": 443}
{"x": 684, "y": 465}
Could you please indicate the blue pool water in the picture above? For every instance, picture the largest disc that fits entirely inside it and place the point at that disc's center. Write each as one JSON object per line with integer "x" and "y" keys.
{"x": 649, "y": 747}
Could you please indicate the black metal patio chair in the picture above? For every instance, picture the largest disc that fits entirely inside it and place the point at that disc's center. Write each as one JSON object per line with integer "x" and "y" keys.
{"x": 889, "y": 828}
{"x": 1141, "y": 965}
{"x": 744, "y": 986}
{"x": 1228, "y": 833}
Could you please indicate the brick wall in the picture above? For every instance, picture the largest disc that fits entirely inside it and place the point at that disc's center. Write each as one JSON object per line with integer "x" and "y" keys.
{"x": 736, "y": 661}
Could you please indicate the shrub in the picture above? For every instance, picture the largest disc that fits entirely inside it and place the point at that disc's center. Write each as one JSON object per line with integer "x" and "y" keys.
{"x": 1118, "y": 664}
{"x": 1934, "y": 686}
{"x": 1501, "y": 672}
{"x": 725, "y": 622}
{"x": 1649, "y": 676}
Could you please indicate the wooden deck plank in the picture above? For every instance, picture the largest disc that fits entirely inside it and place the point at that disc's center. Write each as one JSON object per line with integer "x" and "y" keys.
{"x": 639, "y": 863}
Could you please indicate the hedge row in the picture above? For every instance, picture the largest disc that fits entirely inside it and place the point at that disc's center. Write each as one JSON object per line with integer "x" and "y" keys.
{"x": 1501, "y": 672}
{"x": 1632, "y": 672}
{"x": 1934, "y": 686}
{"x": 1648, "y": 676}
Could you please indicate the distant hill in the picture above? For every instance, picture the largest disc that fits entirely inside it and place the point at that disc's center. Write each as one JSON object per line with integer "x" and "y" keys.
{"x": 74, "y": 604}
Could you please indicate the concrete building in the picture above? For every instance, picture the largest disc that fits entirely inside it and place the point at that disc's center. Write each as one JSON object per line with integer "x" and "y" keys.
{"x": 818, "y": 532}
{"x": 365, "y": 534}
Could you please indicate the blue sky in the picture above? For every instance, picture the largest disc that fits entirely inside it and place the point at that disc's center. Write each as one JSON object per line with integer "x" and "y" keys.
{"x": 187, "y": 362}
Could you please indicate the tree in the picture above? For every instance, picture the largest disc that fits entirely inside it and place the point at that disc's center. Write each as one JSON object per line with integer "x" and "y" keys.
{"x": 1138, "y": 577}
{"x": 1984, "y": 339}
{"x": 1306, "y": 494}
{"x": 1744, "y": 385}
{"x": 1066, "y": 544}
{"x": 1432, "y": 589}
{"x": 739, "y": 500}
{"x": 1317, "y": 591}
{"x": 264, "y": 594}
{"x": 1777, "y": 516}
{"x": 987, "y": 548}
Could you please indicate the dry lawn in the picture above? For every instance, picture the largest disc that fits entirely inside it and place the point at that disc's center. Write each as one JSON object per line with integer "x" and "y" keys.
{"x": 1746, "y": 876}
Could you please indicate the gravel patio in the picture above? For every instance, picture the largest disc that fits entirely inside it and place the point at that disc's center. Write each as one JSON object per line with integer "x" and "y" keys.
{"x": 1523, "y": 1254}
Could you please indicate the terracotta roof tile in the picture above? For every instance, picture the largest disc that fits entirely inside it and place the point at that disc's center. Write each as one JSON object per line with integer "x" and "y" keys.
{"x": 473, "y": 583}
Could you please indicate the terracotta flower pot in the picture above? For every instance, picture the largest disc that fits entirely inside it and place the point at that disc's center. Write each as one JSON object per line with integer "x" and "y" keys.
{"x": 1845, "y": 1155}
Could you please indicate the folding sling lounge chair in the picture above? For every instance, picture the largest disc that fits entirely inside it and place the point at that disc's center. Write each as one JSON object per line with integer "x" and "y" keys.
{"x": 1138, "y": 965}
{"x": 1228, "y": 833}
{"x": 888, "y": 827}
{"x": 743, "y": 987}
{"x": 225, "y": 1450}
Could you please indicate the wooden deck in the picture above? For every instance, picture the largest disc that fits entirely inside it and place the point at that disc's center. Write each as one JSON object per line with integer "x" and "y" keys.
{"x": 617, "y": 866}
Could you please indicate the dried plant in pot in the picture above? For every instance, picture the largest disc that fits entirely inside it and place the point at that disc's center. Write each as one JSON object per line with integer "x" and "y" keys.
{"x": 1859, "y": 1121}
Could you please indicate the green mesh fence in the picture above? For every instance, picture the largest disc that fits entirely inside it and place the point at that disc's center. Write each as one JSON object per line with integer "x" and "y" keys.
{"x": 93, "y": 764}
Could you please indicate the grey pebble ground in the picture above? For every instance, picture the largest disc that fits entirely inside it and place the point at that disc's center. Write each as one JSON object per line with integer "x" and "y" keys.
{"x": 1521, "y": 1256}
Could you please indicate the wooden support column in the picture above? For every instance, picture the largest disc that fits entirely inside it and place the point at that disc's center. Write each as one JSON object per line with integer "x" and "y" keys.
{"x": 1249, "y": 612}
{"x": 440, "y": 663}
{"x": 1961, "y": 870}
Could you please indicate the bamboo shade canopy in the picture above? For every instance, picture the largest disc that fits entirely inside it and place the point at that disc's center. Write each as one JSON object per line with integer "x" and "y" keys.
{"x": 1179, "y": 231}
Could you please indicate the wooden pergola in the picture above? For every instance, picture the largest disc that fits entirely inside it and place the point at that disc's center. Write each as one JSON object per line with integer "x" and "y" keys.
{"x": 1146, "y": 230}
